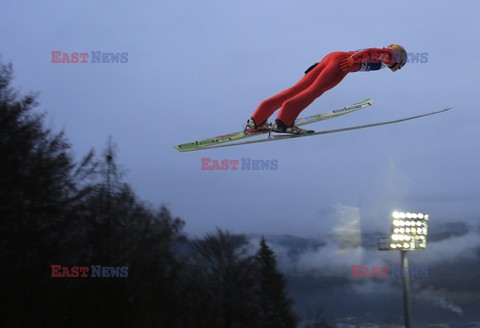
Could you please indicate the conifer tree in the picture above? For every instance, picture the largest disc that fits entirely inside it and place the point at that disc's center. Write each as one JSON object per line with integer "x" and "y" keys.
{"x": 275, "y": 305}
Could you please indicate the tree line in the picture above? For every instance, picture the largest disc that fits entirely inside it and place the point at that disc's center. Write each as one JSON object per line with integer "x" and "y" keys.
{"x": 55, "y": 210}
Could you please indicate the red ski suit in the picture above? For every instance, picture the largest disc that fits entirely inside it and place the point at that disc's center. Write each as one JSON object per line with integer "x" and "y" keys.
{"x": 323, "y": 76}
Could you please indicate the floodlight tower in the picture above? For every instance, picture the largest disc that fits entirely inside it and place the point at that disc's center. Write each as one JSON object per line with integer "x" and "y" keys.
{"x": 408, "y": 233}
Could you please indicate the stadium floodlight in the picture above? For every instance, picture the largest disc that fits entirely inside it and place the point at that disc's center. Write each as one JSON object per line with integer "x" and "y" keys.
{"x": 408, "y": 232}
{"x": 411, "y": 225}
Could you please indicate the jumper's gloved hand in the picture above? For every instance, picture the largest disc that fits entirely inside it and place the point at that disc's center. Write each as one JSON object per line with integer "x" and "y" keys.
{"x": 347, "y": 65}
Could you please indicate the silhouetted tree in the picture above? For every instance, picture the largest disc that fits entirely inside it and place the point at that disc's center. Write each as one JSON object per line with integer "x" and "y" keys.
{"x": 220, "y": 282}
{"x": 275, "y": 306}
{"x": 37, "y": 194}
{"x": 55, "y": 211}
{"x": 120, "y": 230}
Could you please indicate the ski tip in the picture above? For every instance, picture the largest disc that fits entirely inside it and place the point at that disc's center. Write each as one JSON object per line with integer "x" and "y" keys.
{"x": 446, "y": 108}
{"x": 369, "y": 101}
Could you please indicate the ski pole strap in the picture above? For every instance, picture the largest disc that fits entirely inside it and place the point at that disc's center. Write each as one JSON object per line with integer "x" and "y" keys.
{"x": 310, "y": 68}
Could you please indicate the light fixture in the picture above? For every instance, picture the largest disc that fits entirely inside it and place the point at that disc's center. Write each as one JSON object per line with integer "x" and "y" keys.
{"x": 408, "y": 232}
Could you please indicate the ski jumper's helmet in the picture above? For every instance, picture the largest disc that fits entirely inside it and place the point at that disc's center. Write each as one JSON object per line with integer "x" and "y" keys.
{"x": 400, "y": 55}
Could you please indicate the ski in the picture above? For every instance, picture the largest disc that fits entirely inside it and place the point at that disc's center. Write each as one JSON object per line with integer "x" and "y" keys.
{"x": 207, "y": 143}
{"x": 357, "y": 127}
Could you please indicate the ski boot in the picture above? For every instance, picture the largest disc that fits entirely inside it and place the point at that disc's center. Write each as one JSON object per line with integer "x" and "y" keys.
{"x": 280, "y": 127}
{"x": 251, "y": 127}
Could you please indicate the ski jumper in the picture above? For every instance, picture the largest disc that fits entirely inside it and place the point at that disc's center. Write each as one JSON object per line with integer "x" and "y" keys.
{"x": 319, "y": 78}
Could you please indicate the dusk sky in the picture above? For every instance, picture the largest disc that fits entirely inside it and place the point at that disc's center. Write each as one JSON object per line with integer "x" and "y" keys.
{"x": 197, "y": 69}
